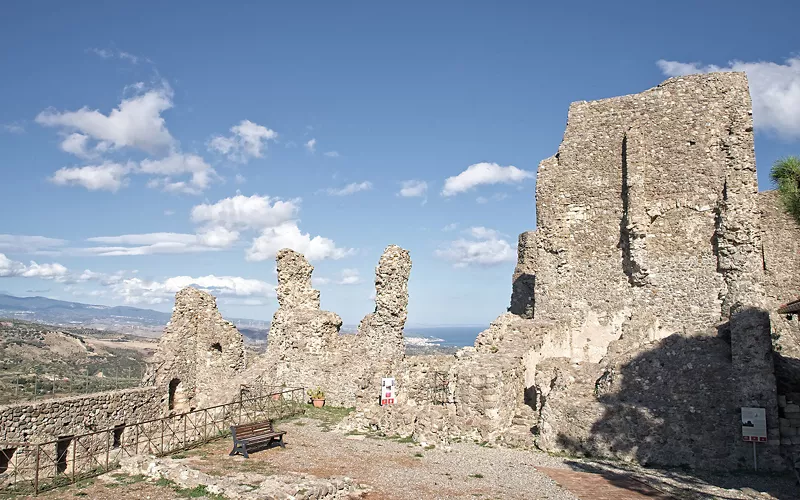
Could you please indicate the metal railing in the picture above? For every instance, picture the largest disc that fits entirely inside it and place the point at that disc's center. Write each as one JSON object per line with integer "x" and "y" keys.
{"x": 36, "y": 467}
{"x": 16, "y": 387}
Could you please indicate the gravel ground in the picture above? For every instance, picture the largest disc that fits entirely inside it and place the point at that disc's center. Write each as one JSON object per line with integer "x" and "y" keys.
{"x": 397, "y": 469}
{"x": 394, "y": 469}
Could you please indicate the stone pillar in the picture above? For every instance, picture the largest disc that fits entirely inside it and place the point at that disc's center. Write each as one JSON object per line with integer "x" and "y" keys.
{"x": 382, "y": 330}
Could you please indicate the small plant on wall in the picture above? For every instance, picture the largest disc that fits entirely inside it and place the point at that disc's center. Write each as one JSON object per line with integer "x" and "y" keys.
{"x": 786, "y": 174}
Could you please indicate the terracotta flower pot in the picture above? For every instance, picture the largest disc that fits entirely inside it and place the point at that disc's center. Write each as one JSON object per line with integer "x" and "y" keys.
{"x": 318, "y": 403}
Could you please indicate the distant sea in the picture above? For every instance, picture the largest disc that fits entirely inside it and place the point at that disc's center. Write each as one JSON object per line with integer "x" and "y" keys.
{"x": 444, "y": 336}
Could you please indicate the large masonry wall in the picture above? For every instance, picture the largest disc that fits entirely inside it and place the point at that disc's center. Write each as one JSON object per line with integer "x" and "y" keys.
{"x": 52, "y": 418}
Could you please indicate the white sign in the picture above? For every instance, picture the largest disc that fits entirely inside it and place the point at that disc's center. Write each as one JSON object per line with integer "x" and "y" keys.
{"x": 754, "y": 424}
{"x": 387, "y": 391}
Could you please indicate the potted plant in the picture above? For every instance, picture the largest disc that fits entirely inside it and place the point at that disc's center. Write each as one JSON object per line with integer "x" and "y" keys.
{"x": 317, "y": 397}
{"x": 277, "y": 396}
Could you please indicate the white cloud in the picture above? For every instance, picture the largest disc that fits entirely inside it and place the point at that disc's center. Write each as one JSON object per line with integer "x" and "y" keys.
{"x": 119, "y": 54}
{"x": 317, "y": 281}
{"x": 331, "y": 154}
{"x": 413, "y": 188}
{"x": 145, "y": 239}
{"x": 139, "y": 291}
{"x": 486, "y": 248}
{"x": 221, "y": 225}
{"x": 106, "y": 177}
{"x": 450, "y": 227}
{"x": 217, "y": 237}
{"x": 249, "y": 140}
{"x": 135, "y": 123}
{"x": 10, "y": 268}
{"x": 349, "y": 277}
{"x": 240, "y": 179}
{"x": 311, "y": 145}
{"x": 29, "y": 244}
{"x": 179, "y": 164}
{"x": 13, "y": 128}
{"x": 76, "y": 144}
{"x": 350, "y": 189}
{"x": 483, "y": 173}
{"x": 288, "y": 235}
{"x": 246, "y": 212}
{"x": 774, "y": 88}
{"x": 156, "y": 243}
{"x": 169, "y": 212}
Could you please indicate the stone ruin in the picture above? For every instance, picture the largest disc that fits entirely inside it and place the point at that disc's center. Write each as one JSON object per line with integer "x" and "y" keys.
{"x": 643, "y": 311}
{"x": 642, "y": 314}
{"x": 200, "y": 356}
{"x": 305, "y": 347}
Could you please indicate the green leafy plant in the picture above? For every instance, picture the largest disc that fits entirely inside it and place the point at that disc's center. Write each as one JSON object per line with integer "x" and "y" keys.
{"x": 316, "y": 393}
{"x": 786, "y": 174}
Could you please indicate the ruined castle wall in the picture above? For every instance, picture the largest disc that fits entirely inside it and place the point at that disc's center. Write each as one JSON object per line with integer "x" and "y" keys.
{"x": 200, "y": 355}
{"x": 305, "y": 347}
{"x": 648, "y": 228}
{"x": 781, "y": 261}
{"x": 468, "y": 396}
{"x": 52, "y": 418}
{"x": 629, "y": 210}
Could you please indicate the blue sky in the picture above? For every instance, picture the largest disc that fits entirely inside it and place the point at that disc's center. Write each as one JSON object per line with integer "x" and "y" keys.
{"x": 146, "y": 146}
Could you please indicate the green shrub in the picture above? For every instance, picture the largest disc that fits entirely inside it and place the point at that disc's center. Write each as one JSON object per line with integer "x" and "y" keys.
{"x": 786, "y": 174}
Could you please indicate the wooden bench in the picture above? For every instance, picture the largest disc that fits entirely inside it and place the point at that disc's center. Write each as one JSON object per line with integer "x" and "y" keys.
{"x": 254, "y": 436}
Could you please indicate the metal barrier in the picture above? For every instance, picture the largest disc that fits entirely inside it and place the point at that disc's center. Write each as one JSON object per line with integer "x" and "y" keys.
{"x": 36, "y": 467}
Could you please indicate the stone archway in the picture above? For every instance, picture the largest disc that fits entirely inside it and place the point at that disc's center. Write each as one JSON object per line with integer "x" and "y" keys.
{"x": 178, "y": 400}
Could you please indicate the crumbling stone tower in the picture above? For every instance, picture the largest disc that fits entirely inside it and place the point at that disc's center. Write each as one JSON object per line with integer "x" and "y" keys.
{"x": 640, "y": 294}
{"x": 200, "y": 355}
{"x": 305, "y": 348}
{"x": 383, "y": 328}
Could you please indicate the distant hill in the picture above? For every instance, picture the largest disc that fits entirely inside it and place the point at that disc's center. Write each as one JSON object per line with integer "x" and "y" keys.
{"x": 118, "y": 318}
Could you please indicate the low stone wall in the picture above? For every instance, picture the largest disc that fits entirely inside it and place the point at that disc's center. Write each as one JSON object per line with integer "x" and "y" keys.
{"x": 52, "y": 418}
{"x": 439, "y": 398}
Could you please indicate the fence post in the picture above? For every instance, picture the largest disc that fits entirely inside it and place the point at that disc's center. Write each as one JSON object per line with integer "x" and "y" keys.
{"x": 205, "y": 424}
{"x": 162, "y": 436}
{"x": 107, "y": 450}
{"x": 136, "y": 444}
{"x": 74, "y": 447}
{"x": 185, "y": 418}
{"x": 36, "y": 472}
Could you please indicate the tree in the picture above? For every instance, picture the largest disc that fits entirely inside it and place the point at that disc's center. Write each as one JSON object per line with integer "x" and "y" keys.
{"x": 786, "y": 174}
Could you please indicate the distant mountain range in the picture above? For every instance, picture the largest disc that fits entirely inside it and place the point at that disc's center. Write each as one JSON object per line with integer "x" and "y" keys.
{"x": 118, "y": 318}
{"x": 135, "y": 320}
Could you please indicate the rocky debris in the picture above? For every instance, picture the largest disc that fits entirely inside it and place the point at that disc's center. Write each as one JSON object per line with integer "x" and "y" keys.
{"x": 382, "y": 330}
{"x": 288, "y": 486}
{"x": 200, "y": 355}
